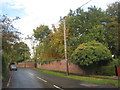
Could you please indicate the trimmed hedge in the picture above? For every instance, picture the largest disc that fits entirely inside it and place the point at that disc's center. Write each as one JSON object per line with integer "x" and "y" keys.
{"x": 109, "y": 69}
{"x": 48, "y": 61}
{"x": 115, "y": 62}
{"x": 106, "y": 70}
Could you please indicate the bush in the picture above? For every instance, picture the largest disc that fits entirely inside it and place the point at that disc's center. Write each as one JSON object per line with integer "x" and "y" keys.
{"x": 48, "y": 61}
{"x": 106, "y": 70}
{"x": 115, "y": 62}
{"x": 91, "y": 53}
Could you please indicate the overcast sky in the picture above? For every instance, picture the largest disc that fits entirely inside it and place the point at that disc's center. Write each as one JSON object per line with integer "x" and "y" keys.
{"x": 48, "y": 12}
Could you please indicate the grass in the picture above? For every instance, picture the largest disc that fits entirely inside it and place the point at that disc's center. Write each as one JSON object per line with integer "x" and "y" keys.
{"x": 83, "y": 78}
{"x": 107, "y": 77}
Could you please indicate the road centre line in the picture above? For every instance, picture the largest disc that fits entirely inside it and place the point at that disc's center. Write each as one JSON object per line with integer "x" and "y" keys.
{"x": 36, "y": 76}
{"x": 57, "y": 87}
{"x": 41, "y": 79}
{"x": 53, "y": 85}
{"x": 29, "y": 73}
{"x": 45, "y": 81}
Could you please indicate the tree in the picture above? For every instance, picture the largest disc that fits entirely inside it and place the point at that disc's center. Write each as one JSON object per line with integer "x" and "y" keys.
{"x": 91, "y": 53}
{"x": 83, "y": 26}
{"x": 96, "y": 33}
{"x": 22, "y": 52}
{"x": 9, "y": 37}
{"x": 41, "y": 32}
{"x": 112, "y": 28}
{"x": 49, "y": 48}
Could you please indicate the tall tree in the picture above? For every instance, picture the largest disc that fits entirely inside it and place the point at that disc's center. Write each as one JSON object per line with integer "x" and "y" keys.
{"x": 41, "y": 32}
{"x": 22, "y": 52}
{"x": 112, "y": 28}
{"x": 49, "y": 48}
{"x": 83, "y": 26}
{"x": 9, "y": 37}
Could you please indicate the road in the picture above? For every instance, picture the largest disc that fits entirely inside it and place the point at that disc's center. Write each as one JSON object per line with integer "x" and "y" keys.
{"x": 29, "y": 78}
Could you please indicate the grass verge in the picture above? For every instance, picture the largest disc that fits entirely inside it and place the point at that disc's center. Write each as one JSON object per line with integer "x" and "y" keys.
{"x": 105, "y": 77}
{"x": 83, "y": 78}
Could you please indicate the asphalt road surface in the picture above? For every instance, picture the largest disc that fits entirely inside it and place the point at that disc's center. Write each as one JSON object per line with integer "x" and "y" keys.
{"x": 29, "y": 78}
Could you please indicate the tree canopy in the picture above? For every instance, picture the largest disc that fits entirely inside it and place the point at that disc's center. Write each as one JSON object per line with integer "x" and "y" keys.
{"x": 22, "y": 52}
{"x": 91, "y": 53}
{"x": 82, "y": 26}
{"x": 41, "y": 32}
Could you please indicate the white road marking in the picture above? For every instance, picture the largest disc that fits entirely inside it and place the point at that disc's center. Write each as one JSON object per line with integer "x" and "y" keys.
{"x": 44, "y": 80}
{"x": 9, "y": 81}
{"x": 89, "y": 85}
{"x": 57, "y": 87}
{"x": 29, "y": 73}
{"x": 41, "y": 79}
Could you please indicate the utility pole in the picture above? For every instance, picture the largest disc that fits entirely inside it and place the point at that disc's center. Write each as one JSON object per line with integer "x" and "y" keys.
{"x": 25, "y": 55}
{"x": 65, "y": 43}
{"x": 35, "y": 54}
{"x": 65, "y": 47}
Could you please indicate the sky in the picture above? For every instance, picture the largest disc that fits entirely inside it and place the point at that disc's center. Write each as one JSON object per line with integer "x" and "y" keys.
{"x": 33, "y": 13}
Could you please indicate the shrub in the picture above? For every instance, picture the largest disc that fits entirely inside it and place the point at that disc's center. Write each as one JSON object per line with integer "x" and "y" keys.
{"x": 91, "y": 53}
{"x": 48, "y": 61}
{"x": 115, "y": 62}
{"x": 106, "y": 70}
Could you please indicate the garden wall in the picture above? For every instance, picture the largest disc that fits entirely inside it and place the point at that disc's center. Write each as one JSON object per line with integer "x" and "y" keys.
{"x": 26, "y": 64}
{"x": 61, "y": 66}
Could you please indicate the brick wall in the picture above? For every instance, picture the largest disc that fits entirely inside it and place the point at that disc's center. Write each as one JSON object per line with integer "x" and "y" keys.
{"x": 61, "y": 66}
{"x": 55, "y": 65}
{"x": 27, "y": 64}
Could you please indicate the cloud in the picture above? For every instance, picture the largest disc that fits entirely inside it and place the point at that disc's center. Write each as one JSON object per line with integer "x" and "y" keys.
{"x": 47, "y": 12}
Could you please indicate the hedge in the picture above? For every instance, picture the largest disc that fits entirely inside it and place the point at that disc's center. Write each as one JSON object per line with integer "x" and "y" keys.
{"x": 106, "y": 70}
{"x": 47, "y": 61}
